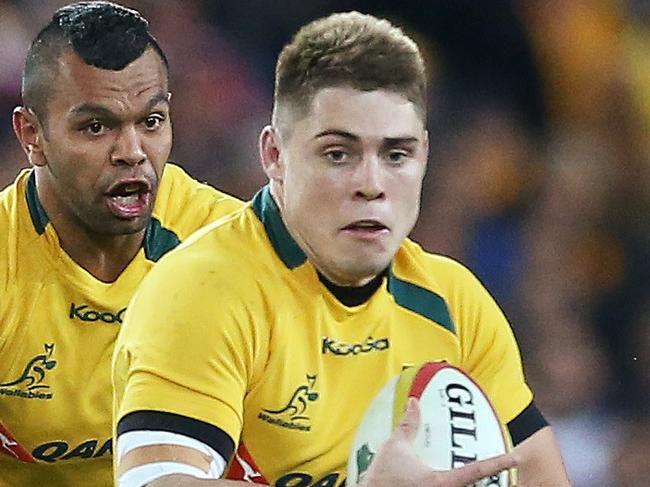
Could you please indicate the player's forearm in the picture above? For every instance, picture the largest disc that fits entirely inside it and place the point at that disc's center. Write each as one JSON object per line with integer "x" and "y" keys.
{"x": 540, "y": 461}
{"x": 187, "y": 481}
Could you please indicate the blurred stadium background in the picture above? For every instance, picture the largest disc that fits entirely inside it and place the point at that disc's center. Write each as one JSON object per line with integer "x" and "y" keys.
{"x": 539, "y": 177}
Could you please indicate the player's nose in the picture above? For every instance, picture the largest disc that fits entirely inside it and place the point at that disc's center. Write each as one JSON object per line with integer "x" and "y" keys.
{"x": 128, "y": 147}
{"x": 369, "y": 178}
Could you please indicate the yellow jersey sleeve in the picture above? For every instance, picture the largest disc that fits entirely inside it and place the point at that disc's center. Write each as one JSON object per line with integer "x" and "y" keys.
{"x": 489, "y": 351}
{"x": 189, "y": 344}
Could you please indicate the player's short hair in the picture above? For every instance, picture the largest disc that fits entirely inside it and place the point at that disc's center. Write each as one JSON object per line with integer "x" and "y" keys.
{"x": 347, "y": 49}
{"x": 103, "y": 34}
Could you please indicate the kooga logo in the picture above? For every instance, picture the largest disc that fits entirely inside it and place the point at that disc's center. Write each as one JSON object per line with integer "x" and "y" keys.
{"x": 339, "y": 348}
{"x": 83, "y": 313}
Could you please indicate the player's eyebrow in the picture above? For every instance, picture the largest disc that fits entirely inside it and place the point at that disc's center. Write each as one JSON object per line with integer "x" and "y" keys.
{"x": 157, "y": 99}
{"x": 92, "y": 109}
{"x": 96, "y": 109}
{"x": 387, "y": 141}
{"x": 396, "y": 141}
{"x": 338, "y": 133}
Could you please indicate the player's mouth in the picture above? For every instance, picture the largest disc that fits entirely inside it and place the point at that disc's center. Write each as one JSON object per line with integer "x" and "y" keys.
{"x": 366, "y": 229}
{"x": 129, "y": 199}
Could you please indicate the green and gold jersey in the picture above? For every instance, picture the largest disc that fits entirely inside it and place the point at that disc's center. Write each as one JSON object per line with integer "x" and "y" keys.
{"x": 249, "y": 340}
{"x": 58, "y": 325}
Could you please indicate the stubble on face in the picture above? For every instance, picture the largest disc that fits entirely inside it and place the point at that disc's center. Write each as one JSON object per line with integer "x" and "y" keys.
{"x": 82, "y": 165}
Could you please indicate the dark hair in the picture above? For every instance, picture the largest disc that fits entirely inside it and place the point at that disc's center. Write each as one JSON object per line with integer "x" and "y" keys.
{"x": 103, "y": 34}
{"x": 347, "y": 49}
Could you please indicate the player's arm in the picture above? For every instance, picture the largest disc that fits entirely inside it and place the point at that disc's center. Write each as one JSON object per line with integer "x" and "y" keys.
{"x": 159, "y": 458}
{"x": 491, "y": 356}
{"x": 540, "y": 461}
{"x": 183, "y": 360}
{"x": 396, "y": 464}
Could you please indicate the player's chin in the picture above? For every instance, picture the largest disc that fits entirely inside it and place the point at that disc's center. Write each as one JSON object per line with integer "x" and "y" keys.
{"x": 376, "y": 256}
{"x": 364, "y": 266}
{"x": 127, "y": 226}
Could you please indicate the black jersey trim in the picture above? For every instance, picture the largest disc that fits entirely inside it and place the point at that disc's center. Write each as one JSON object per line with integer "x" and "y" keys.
{"x": 528, "y": 422}
{"x": 421, "y": 301}
{"x": 353, "y": 295}
{"x": 207, "y": 433}
{"x": 36, "y": 210}
{"x": 158, "y": 240}
{"x": 268, "y": 213}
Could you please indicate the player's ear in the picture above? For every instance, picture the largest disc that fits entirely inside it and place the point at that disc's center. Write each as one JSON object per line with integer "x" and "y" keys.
{"x": 270, "y": 153}
{"x": 29, "y": 133}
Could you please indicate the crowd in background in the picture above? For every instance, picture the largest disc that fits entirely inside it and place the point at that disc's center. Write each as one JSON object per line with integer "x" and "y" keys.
{"x": 538, "y": 180}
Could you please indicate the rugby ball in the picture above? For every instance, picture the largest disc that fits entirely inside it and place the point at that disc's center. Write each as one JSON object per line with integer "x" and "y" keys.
{"x": 458, "y": 423}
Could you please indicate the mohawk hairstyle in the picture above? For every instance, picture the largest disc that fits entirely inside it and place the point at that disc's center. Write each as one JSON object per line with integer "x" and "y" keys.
{"x": 347, "y": 49}
{"x": 103, "y": 34}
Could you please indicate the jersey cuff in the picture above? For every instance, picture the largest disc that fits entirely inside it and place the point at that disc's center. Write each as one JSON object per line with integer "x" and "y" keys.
{"x": 207, "y": 433}
{"x": 528, "y": 422}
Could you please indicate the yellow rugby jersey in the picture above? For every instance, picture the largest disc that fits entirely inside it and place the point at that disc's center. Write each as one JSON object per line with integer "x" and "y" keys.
{"x": 58, "y": 325}
{"x": 250, "y": 340}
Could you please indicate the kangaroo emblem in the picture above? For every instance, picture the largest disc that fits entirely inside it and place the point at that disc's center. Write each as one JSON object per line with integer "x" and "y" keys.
{"x": 34, "y": 371}
{"x": 297, "y": 405}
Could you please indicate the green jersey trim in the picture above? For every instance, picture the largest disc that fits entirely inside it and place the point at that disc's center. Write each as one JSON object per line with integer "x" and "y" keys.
{"x": 421, "y": 301}
{"x": 268, "y": 213}
{"x": 407, "y": 295}
{"x": 158, "y": 240}
{"x": 36, "y": 210}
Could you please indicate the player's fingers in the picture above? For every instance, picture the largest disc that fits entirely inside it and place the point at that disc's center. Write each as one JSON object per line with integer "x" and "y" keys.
{"x": 410, "y": 422}
{"x": 475, "y": 471}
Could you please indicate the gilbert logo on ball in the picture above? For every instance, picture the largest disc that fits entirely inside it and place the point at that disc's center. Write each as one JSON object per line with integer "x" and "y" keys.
{"x": 458, "y": 423}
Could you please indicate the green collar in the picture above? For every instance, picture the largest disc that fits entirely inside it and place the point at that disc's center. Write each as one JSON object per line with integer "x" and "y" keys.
{"x": 283, "y": 243}
{"x": 158, "y": 240}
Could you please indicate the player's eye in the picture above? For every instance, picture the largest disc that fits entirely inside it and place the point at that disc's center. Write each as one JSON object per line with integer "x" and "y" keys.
{"x": 397, "y": 156}
{"x": 95, "y": 128}
{"x": 152, "y": 122}
{"x": 337, "y": 156}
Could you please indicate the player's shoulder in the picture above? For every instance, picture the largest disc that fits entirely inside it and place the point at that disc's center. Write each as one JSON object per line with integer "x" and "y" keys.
{"x": 184, "y": 204}
{"x": 11, "y": 197}
{"x": 218, "y": 267}
{"x": 7, "y": 207}
{"x": 441, "y": 280}
{"x": 445, "y": 279}
{"x": 431, "y": 269}
{"x": 17, "y": 223}
{"x": 224, "y": 247}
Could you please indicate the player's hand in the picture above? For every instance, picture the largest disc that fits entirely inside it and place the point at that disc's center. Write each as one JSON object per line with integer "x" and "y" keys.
{"x": 397, "y": 465}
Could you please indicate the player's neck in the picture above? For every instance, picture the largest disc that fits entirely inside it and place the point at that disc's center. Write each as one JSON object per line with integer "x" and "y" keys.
{"x": 105, "y": 257}
{"x": 353, "y": 295}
